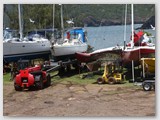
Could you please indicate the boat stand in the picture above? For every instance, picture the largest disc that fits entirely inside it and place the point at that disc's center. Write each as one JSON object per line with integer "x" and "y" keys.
{"x": 62, "y": 67}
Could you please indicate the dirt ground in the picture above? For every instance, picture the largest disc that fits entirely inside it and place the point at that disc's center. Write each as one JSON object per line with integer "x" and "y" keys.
{"x": 79, "y": 100}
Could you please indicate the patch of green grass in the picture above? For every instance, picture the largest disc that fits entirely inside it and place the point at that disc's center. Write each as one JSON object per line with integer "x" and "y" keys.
{"x": 78, "y": 79}
{"x": 6, "y": 78}
{"x": 75, "y": 79}
{"x": 131, "y": 85}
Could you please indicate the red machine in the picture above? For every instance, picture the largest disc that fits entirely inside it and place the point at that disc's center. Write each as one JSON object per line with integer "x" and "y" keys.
{"x": 30, "y": 76}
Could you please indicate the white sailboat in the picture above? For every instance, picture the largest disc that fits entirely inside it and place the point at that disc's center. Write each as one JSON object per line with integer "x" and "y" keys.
{"x": 72, "y": 41}
{"x": 23, "y": 48}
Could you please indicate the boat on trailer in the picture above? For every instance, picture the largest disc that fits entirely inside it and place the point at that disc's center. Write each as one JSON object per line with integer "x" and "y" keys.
{"x": 16, "y": 48}
{"x": 72, "y": 40}
{"x": 126, "y": 55}
{"x": 75, "y": 41}
{"x": 140, "y": 46}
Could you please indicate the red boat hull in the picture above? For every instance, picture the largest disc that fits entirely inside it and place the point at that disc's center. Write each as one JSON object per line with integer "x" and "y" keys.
{"x": 89, "y": 57}
{"x": 136, "y": 54}
{"x": 126, "y": 55}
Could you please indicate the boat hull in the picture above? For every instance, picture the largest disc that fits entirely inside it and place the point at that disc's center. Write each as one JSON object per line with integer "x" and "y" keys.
{"x": 13, "y": 51}
{"x": 29, "y": 56}
{"x": 60, "y": 50}
{"x": 127, "y": 56}
{"x": 136, "y": 54}
{"x": 98, "y": 54}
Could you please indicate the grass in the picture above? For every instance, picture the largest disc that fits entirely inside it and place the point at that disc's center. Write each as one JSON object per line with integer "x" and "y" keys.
{"x": 6, "y": 78}
{"x": 75, "y": 79}
{"x": 71, "y": 78}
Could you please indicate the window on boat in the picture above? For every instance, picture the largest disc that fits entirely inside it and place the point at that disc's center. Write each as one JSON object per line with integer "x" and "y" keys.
{"x": 10, "y": 34}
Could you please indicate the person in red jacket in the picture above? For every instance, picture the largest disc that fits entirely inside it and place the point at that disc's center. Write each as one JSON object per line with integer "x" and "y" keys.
{"x": 68, "y": 35}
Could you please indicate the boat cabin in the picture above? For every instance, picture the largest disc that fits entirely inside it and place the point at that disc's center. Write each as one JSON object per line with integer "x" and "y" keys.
{"x": 76, "y": 33}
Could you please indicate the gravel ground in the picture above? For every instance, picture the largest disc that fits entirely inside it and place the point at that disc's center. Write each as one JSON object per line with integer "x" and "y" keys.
{"x": 79, "y": 100}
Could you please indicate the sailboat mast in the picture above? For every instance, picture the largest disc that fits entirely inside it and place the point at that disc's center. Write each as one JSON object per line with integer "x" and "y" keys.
{"x": 132, "y": 19}
{"x": 62, "y": 25}
{"x": 20, "y": 22}
{"x": 53, "y": 18}
{"x": 125, "y": 22}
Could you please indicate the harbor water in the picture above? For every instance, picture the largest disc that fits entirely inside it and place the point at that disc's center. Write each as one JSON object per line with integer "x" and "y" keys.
{"x": 109, "y": 36}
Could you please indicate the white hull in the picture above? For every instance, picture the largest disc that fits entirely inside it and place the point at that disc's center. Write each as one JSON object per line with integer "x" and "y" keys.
{"x": 62, "y": 50}
{"x": 14, "y": 48}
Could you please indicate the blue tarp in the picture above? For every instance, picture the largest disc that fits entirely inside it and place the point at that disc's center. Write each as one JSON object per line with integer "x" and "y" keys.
{"x": 77, "y": 31}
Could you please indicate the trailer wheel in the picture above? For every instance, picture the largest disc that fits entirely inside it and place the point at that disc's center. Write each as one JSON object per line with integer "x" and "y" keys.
{"x": 147, "y": 87}
{"x": 111, "y": 80}
{"x": 100, "y": 80}
{"x": 48, "y": 83}
{"x": 17, "y": 87}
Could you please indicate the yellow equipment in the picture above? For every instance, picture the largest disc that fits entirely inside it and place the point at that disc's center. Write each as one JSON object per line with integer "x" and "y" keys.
{"x": 111, "y": 75}
{"x": 148, "y": 65}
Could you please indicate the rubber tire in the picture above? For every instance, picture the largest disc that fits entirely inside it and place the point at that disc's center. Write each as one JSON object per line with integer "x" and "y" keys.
{"x": 111, "y": 80}
{"x": 48, "y": 83}
{"x": 147, "y": 87}
{"x": 41, "y": 84}
{"x": 17, "y": 87}
{"x": 100, "y": 81}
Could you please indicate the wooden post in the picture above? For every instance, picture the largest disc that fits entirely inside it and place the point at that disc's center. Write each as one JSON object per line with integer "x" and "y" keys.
{"x": 133, "y": 70}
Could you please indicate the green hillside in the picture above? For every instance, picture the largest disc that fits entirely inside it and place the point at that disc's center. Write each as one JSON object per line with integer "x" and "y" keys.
{"x": 82, "y": 14}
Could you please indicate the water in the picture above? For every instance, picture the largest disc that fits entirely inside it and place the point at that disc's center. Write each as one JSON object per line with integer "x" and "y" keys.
{"x": 109, "y": 36}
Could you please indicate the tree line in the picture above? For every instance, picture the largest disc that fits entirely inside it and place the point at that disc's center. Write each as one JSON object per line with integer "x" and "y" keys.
{"x": 42, "y": 14}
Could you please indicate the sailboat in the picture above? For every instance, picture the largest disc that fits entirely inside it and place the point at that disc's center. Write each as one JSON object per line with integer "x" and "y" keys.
{"x": 135, "y": 52}
{"x": 15, "y": 49}
{"x": 72, "y": 41}
{"x": 128, "y": 53}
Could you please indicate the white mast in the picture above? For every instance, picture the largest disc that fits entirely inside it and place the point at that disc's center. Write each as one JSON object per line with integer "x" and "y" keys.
{"x": 132, "y": 19}
{"x": 53, "y": 18}
{"x": 20, "y": 22}
{"x": 125, "y": 26}
{"x": 62, "y": 25}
